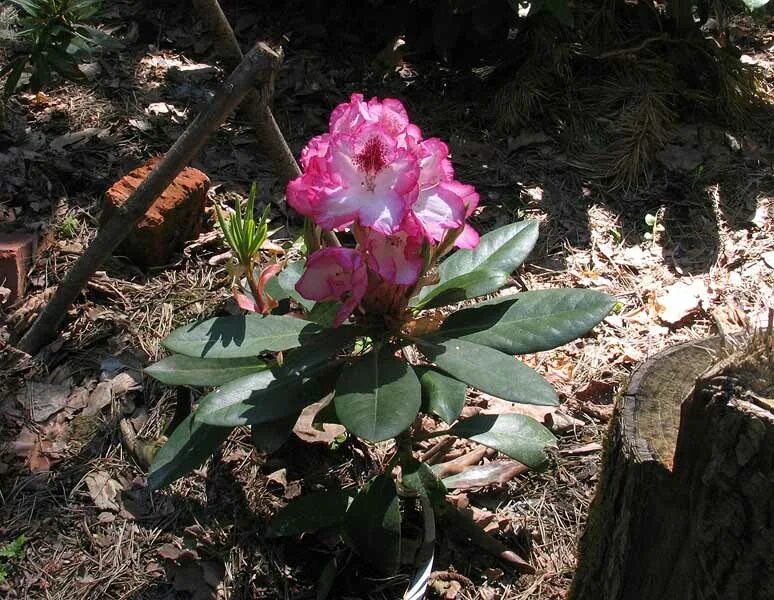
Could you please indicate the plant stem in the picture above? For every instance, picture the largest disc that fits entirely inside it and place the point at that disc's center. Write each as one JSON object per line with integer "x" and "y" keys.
{"x": 429, "y": 436}
{"x": 250, "y": 276}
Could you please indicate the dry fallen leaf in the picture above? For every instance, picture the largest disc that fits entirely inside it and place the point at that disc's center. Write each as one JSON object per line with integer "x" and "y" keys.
{"x": 103, "y": 490}
{"x": 308, "y": 432}
{"x": 44, "y": 399}
{"x": 496, "y": 406}
{"x": 99, "y": 398}
{"x": 600, "y": 391}
{"x": 496, "y": 472}
{"x": 680, "y": 300}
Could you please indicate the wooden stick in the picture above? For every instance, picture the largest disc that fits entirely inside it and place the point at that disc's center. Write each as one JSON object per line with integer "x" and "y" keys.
{"x": 260, "y": 60}
{"x": 256, "y": 106}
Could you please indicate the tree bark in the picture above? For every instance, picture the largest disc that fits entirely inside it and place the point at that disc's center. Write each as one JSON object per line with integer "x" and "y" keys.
{"x": 685, "y": 504}
{"x": 261, "y": 59}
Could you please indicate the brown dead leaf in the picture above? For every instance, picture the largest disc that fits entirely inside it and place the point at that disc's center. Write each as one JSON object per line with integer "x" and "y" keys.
{"x": 680, "y": 300}
{"x": 38, "y": 460}
{"x": 447, "y": 590}
{"x": 599, "y": 391}
{"x": 173, "y": 553}
{"x": 103, "y": 490}
{"x": 581, "y": 450}
{"x": 44, "y": 399}
{"x": 308, "y": 432}
{"x": 496, "y": 472}
{"x": 124, "y": 382}
{"x": 558, "y": 422}
{"x": 200, "y": 579}
{"x": 100, "y": 397}
{"x": 280, "y": 477}
{"x": 79, "y": 399}
{"x": 496, "y": 406}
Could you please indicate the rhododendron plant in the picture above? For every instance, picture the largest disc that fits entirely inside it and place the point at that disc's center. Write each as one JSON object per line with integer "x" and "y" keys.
{"x": 353, "y": 330}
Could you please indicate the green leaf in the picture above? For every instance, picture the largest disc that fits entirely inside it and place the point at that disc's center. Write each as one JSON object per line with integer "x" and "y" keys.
{"x": 490, "y": 371}
{"x": 324, "y": 313}
{"x": 288, "y": 279}
{"x": 441, "y": 395}
{"x": 755, "y": 4}
{"x": 240, "y": 336}
{"x": 378, "y": 396}
{"x": 418, "y": 476}
{"x": 502, "y": 250}
{"x": 372, "y": 524}
{"x": 258, "y": 398}
{"x": 269, "y": 437}
{"x": 470, "y": 285}
{"x": 187, "y": 448}
{"x": 13, "y": 77}
{"x": 208, "y": 372}
{"x": 28, "y": 6}
{"x": 531, "y": 321}
{"x": 518, "y": 436}
{"x": 310, "y": 512}
{"x": 321, "y": 350}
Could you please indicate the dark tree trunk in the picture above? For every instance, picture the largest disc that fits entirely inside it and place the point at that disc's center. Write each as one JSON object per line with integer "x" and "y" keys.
{"x": 685, "y": 506}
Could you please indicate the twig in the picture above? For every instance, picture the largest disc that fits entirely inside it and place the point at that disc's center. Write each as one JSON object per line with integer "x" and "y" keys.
{"x": 261, "y": 59}
{"x": 257, "y": 108}
{"x": 633, "y": 49}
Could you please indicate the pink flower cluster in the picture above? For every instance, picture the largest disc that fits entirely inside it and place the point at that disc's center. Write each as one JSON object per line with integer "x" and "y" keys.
{"x": 374, "y": 174}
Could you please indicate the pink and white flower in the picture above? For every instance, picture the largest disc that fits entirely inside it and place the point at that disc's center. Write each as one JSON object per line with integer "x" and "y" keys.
{"x": 443, "y": 203}
{"x": 374, "y": 171}
{"x": 335, "y": 274}
{"x": 397, "y": 257}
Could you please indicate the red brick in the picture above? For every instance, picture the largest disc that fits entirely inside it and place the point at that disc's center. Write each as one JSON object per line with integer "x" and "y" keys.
{"x": 173, "y": 219}
{"x": 16, "y": 253}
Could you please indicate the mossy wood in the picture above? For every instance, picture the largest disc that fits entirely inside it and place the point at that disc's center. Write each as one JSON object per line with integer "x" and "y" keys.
{"x": 685, "y": 504}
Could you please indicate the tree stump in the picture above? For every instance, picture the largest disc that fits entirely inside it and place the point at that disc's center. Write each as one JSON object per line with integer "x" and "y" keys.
{"x": 685, "y": 505}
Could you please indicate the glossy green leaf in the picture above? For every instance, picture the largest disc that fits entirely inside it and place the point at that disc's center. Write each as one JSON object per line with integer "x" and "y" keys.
{"x": 284, "y": 284}
{"x": 378, "y": 396}
{"x": 190, "y": 444}
{"x": 755, "y": 4}
{"x": 324, "y": 313}
{"x": 258, "y": 398}
{"x": 441, "y": 395}
{"x": 530, "y": 321}
{"x": 490, "y": 371}
{"x": 207, "y": 372}
{"x": 269, "y": 437}
{"x": 502, "y": 250}
{"x": 372, "y": 524}
{"x": 239, "y": 336}
{"x": 419, "y": 477}
{"x": 310, "y": 512}
{"x": 470, "y": 285}
{"x": 321, "y": 350}
{"x": 518, "y": 436}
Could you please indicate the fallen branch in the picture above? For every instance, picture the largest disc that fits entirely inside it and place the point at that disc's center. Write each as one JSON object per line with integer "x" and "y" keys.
{"x": 256, "y": 106}
{"x": 260, "y": 60}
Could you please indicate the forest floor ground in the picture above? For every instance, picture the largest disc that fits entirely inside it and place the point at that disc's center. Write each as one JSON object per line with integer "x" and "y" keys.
{"x": 68, "y": 484}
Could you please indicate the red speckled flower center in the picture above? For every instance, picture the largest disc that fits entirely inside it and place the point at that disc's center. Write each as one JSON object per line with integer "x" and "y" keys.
{"x": 371, "y": 160}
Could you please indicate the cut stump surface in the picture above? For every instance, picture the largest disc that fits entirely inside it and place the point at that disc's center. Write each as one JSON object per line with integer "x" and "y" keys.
{"x": 685, "y": 505}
